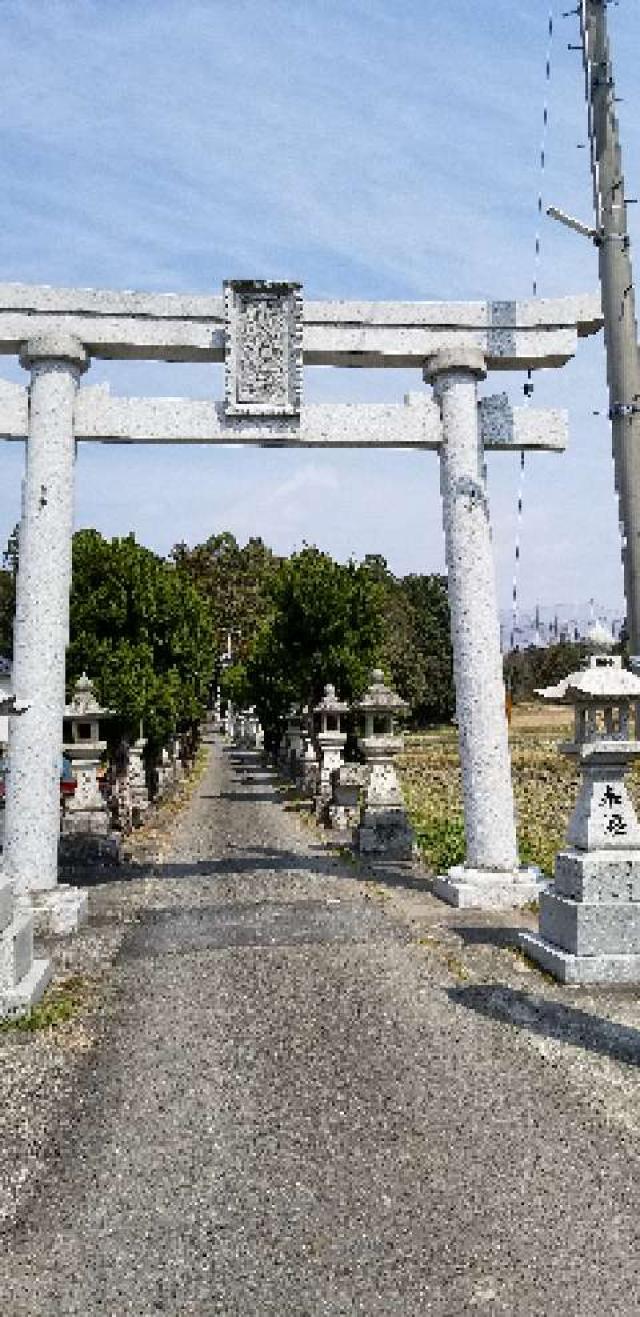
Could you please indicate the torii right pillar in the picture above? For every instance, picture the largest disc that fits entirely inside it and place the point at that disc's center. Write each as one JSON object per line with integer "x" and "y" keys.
{"x": 491, "y": 876}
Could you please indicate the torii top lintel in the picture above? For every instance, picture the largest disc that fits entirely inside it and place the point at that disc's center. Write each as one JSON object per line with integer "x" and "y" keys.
{"x": 513, "y": 335}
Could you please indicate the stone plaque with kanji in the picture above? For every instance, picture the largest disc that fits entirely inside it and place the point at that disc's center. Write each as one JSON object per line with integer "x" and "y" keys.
{"x": 263, "y": 347}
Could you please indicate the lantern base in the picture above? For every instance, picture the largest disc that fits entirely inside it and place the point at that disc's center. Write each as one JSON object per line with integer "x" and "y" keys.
{"x": 385, "y": 832}
{"x": 488, "y": 889}
{"x": 570, "y": 968}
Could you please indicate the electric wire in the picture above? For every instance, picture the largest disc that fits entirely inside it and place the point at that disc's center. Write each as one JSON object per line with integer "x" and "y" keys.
{"x": 528, "y": 387}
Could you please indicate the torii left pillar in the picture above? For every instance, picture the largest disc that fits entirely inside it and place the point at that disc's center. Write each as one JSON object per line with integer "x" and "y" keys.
{"x": 41, "y": 634}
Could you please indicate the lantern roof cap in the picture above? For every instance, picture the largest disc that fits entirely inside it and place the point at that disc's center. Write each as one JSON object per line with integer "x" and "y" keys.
{"x": 380, "y": 698}
{"x": 84, "y": 703}
{"x": 603, "y": 680}
{"x": 330, "y": 702}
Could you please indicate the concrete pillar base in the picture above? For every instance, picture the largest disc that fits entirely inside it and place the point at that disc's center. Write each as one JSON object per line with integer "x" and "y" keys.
{"x": 570, "y": 968}
{"x": 487, "y": 889}
{"x": 58, "y": 911}
{"x": 22, "y": 979}
{"x": 27, "y": 992}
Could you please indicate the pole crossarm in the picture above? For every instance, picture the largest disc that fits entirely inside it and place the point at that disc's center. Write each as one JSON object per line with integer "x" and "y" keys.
{"x": 527, "y": 334}
{"x": 416, "y": 423}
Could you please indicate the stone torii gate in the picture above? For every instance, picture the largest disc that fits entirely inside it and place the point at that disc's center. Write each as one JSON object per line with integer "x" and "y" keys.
{"x": 265, "y": 334}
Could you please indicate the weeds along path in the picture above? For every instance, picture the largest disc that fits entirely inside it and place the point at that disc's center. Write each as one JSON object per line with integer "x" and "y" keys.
{"x": 291, "y": 1111}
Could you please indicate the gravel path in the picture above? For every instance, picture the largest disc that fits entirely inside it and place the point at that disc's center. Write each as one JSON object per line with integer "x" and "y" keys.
{"x": 297, "y": 1105}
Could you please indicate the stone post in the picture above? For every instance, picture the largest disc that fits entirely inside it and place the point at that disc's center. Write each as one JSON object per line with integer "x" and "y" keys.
{"x": 41, "y": 635}
{"x": 490, "y": 876}
{"x": 309, "y": 768}
{"x": 137, "y": 780}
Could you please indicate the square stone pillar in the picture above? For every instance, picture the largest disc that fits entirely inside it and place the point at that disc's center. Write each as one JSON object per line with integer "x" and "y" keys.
{"x": 137, "y": 781}
{"x": 491, "y": 876}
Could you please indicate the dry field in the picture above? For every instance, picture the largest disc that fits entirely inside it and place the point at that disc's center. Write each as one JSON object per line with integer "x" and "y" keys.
{"x": 545, "y": 784}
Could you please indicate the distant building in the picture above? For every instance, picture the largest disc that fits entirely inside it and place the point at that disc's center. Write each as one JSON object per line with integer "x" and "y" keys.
{"x": 548, "y": 625}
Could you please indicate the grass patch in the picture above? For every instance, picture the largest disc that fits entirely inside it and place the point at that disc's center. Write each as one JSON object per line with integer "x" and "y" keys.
{"x": 59, "y": 1004}
{"x": 545, "y": 785}
{"x": 440, "y": 841}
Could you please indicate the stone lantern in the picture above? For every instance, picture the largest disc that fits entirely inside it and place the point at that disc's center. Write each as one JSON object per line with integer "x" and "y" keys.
{"x": 589, "y": 927}
{"x": 384, "y": 827}
{"x": 86, "y": 812}
{"x": 331, "y": 741}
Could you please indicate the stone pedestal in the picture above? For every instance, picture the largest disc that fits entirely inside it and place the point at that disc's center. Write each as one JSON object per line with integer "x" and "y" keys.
{"x": 589, "y": 926}
{"x": 42, "y": 625}
{"x": 347, "y": 783}
{"x": 384, "y": 828}
{"x": 491, "y": 876}
{"x": 480, "y": 889}
{"x": 22, "y": 979}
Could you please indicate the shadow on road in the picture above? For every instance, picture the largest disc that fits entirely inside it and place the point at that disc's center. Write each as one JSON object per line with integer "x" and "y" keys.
{"x": 474, "y": 935}
{"x": 551, "y": 1019}
{"x": 248, "y": 860}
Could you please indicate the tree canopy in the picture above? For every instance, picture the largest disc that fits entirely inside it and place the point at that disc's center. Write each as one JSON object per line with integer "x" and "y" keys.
{"x": 236, "y": 580}
{"x": 527, "y": 669}
{"x": 416, "y": 646}
{"x": 152, "y": 632}
{"x": 142, "y": 631}
{"x": 324, "y": 625}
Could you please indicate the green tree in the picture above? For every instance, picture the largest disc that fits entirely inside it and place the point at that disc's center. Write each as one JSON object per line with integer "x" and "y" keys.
{"x": 142, "y": 631}
{"x": 416, "y": 644}
{"x": 325, "y": 625}
{"x": 527, "y": 669}
{"x": 236, "y": 580}
{"x": 429, "y": 604}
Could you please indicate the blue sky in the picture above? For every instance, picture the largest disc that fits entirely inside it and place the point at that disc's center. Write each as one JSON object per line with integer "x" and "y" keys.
{"x": 368, "y": 148}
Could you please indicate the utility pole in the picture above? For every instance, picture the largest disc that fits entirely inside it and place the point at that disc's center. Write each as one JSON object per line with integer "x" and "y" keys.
{"x": 618, "y": 299}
